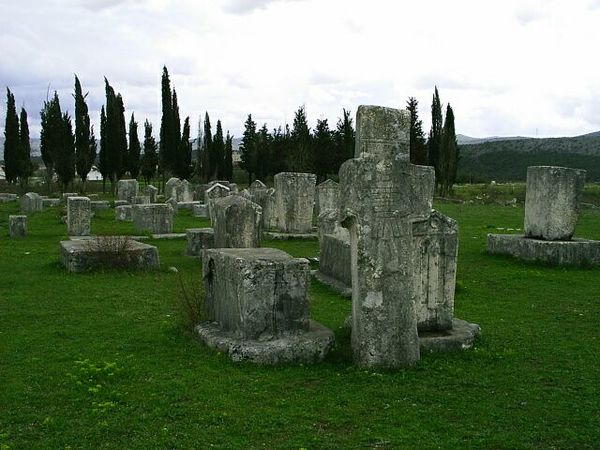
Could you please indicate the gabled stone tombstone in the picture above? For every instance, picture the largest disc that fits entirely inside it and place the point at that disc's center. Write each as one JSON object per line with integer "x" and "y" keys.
{"x": 238, "y": 222}
{"x": 256, "y": 185}
{"x": 17, "y": 226}
{"x": 79, "y": 216}
{"x": 211, "y": 194}
{"x": 31, "y": 202}
{"x": 328, "y": 193}
{"x": 151, "y": 192}
{"x": 383, "y": 196}
{"x": 172, "y": 187}
{"x": 127, "y": 190}
{"x": 155, "y": 218}
{"x": 294, "y": 201}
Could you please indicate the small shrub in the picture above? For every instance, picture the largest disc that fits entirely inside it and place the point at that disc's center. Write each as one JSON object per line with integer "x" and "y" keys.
{"x": 189, "y": 303}
{"x": 111, "y": 252}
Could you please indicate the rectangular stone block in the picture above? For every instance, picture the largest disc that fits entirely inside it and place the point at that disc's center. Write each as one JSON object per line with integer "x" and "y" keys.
{"x": 79, "y": 216}
{"x": 256, "y": 293}
{"x": 31, "y": 202}
{"x": 237, "y": 222}
{"x": 200, "y": 210}
{"x": 98, "y": 205}
{"x": 124, "y": 213}
{"x": 151, "y": 192}
{"x": 127, "y": 190}
{"x": 66, "y": 195}
{"x": 334, "y": 258}
{"x": 17, "y": 226}
{"x": 50, "y": 202}
{"x": 294, "y": 201}
{"x": 156, "y": 218}
{"x": 327, "y": 197}
{"x": 6, "y": 197}
{"x": 552, "y": 202}
{"x": 199, "y": 239}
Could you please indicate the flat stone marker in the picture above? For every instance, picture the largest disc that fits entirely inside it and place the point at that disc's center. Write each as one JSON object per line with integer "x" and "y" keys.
{"x": 127, "y": 190}
{"x": 141, "y": 200}
{"x": 154, "y": 218}
{"x": 383, "y": 195}
{"x": 50, "y": 202}
{"x": 7, "y": 197}
{"x": 552, "y": 202}
{"x": 238, "y": 222}
{"x": 258, "y": 307}
{"x": 79, "y": 216}
{"x": 294, "y": 201}
{"x": 17, "y": 226}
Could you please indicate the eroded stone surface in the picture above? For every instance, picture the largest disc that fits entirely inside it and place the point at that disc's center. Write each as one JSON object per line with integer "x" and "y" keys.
{"x": 199, "y": 239}
{"x": 214, "y": 192}
{"x": 294, "y": 201}
{"x": 31, "y": 202}
{"x": 79, "y": 216}
{"x": 17, "y": 226}
{"x": 127, "y": 190}
{"x": 180, "y": 190}
{"x": 99, "y": 204}
{"x": 200, "y": 210}
{"x": 237, "y": 223}
{"x": 124, "y": 213}
{"x": 152, "y": 192}
{"x": 327, "y": 197}
{"x": 552, "y": 202}
{"x": 154, "y": 218}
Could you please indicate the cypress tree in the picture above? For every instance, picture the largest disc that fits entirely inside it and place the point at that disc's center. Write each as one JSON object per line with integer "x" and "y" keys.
{"x": 64, "y": 157}
{"x": 418, "y": 147}
{"x": 344, "y": 138}
{"x": 264, "y": 142}
{"x": 207, "y": 170}
{"x": 150, "y": 158}
{"x": 52, "y": 135}
{"x": 11, "y": 139}
{"x": 300, "y": 157}
{"x": 85, "y": 153}
{"x": 199, "y": 140}
{"x": 176, "y": 126}
{"x": 324, "y": 151}
{"x": 182, "y": 166}
{"x": 123, "y": 156}
{"x": 435, "y": 137}
{"x": 103, "y": 166}
{"x": 167, "y": 131}
{"x": 248, "y": 148}
{"x": 25, "y": 166}
{"x": 228, "y": 164}
{"x": 133, "y": 156}
{"x": 218, "y": 153}
{"x": 280, "y": 149}
{"x": 115, "y": 134}
{"x": 450, "y": 153}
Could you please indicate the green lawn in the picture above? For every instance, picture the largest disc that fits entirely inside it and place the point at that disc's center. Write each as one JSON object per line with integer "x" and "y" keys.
{"x": 99, "y": 360}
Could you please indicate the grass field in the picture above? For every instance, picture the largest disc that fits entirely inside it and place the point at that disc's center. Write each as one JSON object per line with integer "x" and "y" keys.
{"x": 100, "y": 360}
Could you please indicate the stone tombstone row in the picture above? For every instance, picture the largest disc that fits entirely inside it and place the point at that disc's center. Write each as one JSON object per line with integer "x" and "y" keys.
{"x": 384, "y": 196}
{"x": 79, "y": 216}
{"x": 31, "y": 202}
{"x": 238, "y": 222}
{"x": 294, "y": 201}
{"x": 127, "y": 190}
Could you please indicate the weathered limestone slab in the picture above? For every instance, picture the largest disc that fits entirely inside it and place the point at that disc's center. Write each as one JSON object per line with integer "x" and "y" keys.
{"x": 200, "y": 210}
{"x": 17, "y": 226}
{"x": 180, "y": 190}
{"x": 436, "y": 241}
{"x": 172, "y": 202}
{"x": 98, "y": 205}
{"x": 127, "y": 190}
{"x": 187, "y": 205}
{"x": 121, "y": 203}
{"x": 294, "y": 201}
{"x": 552, "y": 202}
{"x": 258, "y": 307}
{"x": 79, "y": 216}
{"x": 66, "y": 195}
{"x": 153, "y": 218}
{"x": 90, "y": 254}
{"x": 237, "y": 222}
{"x": 334, "y": 262}
{"x": 6, "y": 197}
{"x": 124, "y": 213}
{"x": 152, "y": 192}
{"x": 214, "y": 192}
{"x": 199, "y": 191}
{"x": 50, "y": 202}
{"x": 31, "y": 202}
{"x": 141, "y": 200}
{"x": 92, "y": 197}
{"x": 277, "y": 236}
{"x": 327, "y": 198}
{"x": 383, "y": 195}
{"x": 575, "y": 252}
{"x": 199, "y": 239}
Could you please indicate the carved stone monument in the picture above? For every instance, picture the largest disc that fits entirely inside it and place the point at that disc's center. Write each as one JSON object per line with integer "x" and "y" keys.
{"x": 237, "y": 222}
{"x": 127, "y": 190}
{"x": 156, "y": 218}
{"x": 294, "y": 201}
{"x": 79, "y": 216}
{"x": 214, "y": 192}
{"x": 31, "y": 202}
{"x": 17, "y": 226}
{"x": 328, "y": 193}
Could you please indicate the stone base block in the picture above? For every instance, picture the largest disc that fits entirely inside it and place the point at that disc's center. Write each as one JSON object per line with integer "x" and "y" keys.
{"x": 341, "y": 288}
{"x": 306, "y": 347}
{"x": 577, "y": 252}
{"x": 121, "y": 203}
{"x": 200, "y": 210}
{"x": 6, "y": 197}
{"x": 50, "y": 202}
{"x": 124, "y": 213}
{"x": 278, "y": 236}
{"x": 199, "y": 239}
{"x": 187, "y": 205}
{"x": 334, "y": 259}
{"x": 98, "y": 205}
{"x": 83, "y": 255}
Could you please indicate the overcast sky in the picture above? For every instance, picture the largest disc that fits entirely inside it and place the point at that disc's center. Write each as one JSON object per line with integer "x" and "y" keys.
{"x": 507, "y": 67}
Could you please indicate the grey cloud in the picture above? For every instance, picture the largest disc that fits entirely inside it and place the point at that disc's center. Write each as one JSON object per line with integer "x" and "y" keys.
{"x": 247, "y": 6}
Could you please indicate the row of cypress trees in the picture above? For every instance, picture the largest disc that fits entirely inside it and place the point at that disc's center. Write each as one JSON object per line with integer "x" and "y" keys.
{"x": 17, "y": 148}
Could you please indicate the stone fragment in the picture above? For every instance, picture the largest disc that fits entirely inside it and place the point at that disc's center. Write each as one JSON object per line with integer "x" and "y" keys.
{"x": 31, "y": 202}
{"x": 124, "y": 213}
{"x": 199, "y": 239}
{"x": 214, "y": 192}
{"x": 98, "y": 205}
{"x": 173, "y": 204}
{"x": 7, "y": 197}
{"x": 187, "y": 205}
{"x": 552, "y": 202}
{"x": 327, "y": 198}
{"x": 180, "y": 190}
{"x": 258, "y": 307}
{"x": 121, "y": 203}
{"x": 79, "y": 216}
{"x": 127, "y": 190}
{"x": 156, "y": 218}
{"x": 237, "y": 222}
{"x": 50, "y": 202}
{"x": 200, "y": 210}
{"x": 294, "y": 201}
{"x": 17, "y": 226}
{"x": 141, "y": 200}
{"x": 151, "y": 192}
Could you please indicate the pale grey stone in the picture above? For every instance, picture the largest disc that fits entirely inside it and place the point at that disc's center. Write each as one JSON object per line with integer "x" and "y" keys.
{"x": 141, "y": 200}
{"x": 237, "y": 222}
{"x": 277, "y": 236}
{"x": 215, "y": 191}
{"x": 152, "y": 192}
{"x": 92, "y": 197}
{"x": 199, "y": 191}
{"x": 154, "y": 218}
{"x": 50, "y": 202}
{"x": 7, "y": 197}
{"x": 172, "y": 202}
{"x": 199, "y": 239}
{"x": 121, "y": 203}
{"x": 200, "y": 210}
{"x": 17, "y": 226}
{"x": 257, "y": 184}
{"x": 383, "y": 195}
{"x": 66, "y": 195}
{"x": 327, "y": 197}
{"x": 258, "y": 307}
{"x": 79, "y": 216}
{"x": 31, "y": 202}
{"x": 552, "y": 202}
{"x": 575, "y": 252}
{"x": 294, "y": 201}
{"x": 98, "y": 205}
{"x": 90, "y": 254}
{"x": 124, "y": 213}
{"x": 334, "y": 262}
{"x": 180, "y": 190}
{"x": 127, "y": 190}
{"x": 187, "y": 205}
{"x": 269, "y": 219}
